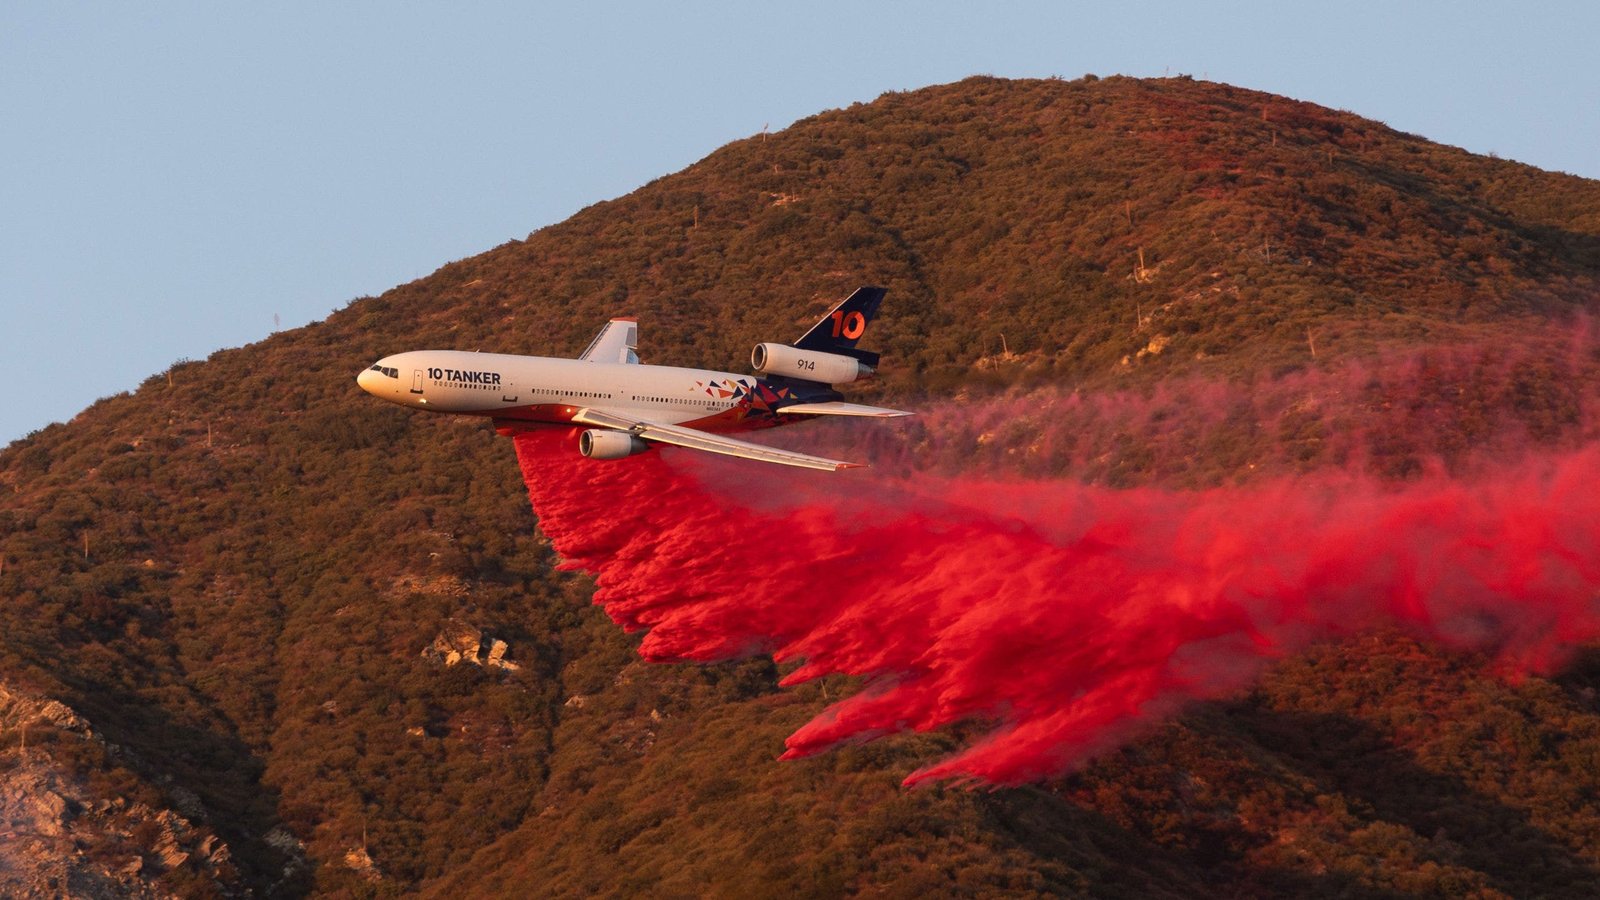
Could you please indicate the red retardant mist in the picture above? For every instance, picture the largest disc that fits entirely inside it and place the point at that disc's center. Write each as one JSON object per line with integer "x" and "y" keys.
{"x": 1068, "y": 616}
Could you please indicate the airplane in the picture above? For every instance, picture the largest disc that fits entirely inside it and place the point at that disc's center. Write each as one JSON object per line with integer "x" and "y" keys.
{"x": 630, "y": 406}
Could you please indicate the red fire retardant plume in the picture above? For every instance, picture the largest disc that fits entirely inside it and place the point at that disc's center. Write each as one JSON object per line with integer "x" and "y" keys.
{"x": 1067, "y": 616}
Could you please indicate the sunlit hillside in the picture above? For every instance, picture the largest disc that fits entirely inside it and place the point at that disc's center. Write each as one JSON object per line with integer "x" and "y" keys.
{"x": 229, "y": 599}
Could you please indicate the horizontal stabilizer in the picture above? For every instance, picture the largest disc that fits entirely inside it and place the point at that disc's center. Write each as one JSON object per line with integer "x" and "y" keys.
{"x": 842, "y": 409}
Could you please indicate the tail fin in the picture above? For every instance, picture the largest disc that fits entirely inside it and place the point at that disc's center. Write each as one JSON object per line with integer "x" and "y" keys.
{"x": 838, "y": 331}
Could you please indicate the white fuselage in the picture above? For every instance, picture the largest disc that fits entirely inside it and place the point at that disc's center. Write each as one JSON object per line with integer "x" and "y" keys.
{"x": 543, "y": 389}
{"x": 618, "y": 407}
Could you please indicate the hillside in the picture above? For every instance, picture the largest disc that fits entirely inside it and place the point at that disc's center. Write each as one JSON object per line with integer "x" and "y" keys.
{"x": 231, "y": 583}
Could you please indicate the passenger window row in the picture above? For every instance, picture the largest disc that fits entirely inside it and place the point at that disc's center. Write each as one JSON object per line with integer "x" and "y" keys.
{"x": 555, "y": 393}
{"x": 679, "y": 402}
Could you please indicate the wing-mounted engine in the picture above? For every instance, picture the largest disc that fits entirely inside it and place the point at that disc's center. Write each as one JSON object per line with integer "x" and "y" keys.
{"x": 601, "y": 443}
{"x": 813, "y": 365}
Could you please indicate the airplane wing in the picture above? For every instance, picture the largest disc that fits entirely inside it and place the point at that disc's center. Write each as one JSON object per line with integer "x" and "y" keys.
{"x": 842, "y": 409}
{"x": 616, "y": 343}
{"x": 679, "y": 436}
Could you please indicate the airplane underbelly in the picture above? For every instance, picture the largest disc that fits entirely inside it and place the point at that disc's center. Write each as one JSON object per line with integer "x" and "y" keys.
{"x": 553, "y": 413}
{"x": 731, "y": 420}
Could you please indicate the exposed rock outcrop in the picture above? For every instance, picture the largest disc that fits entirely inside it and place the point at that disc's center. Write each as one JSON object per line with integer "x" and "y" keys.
{"x": 361, "y": 863}
{"x": 459, "y": 642}
{"x": 58, "y": 838}
{"x": 19, "y": 710}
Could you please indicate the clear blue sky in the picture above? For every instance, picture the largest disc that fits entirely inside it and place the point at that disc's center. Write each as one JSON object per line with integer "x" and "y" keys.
{"x": 173, "y": 175}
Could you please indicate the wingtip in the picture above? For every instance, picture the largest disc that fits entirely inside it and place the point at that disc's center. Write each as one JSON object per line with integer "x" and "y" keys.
{"x": 839, "y": 467}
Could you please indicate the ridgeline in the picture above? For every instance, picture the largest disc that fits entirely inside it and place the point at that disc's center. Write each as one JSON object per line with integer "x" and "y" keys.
{"x": 250, "y": 614}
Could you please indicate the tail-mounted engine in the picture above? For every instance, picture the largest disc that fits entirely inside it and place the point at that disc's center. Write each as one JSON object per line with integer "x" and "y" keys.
{"x": 598, "y": 443}
{"x": 812, "y": 365}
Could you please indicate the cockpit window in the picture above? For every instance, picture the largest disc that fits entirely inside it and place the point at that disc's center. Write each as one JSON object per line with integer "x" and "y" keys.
{"x": 387, "y": 370}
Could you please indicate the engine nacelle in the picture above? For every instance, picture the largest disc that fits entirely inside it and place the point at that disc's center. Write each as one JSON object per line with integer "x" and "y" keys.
{"x": 810, "y": 365}
{"x": 598, "y": 443}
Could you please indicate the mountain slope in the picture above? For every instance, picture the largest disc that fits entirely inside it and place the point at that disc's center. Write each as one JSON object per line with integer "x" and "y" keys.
{"x": 237, "y": 572}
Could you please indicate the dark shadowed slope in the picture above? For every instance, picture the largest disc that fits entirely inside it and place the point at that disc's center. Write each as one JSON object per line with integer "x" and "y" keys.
{"x": 249, "y": 579}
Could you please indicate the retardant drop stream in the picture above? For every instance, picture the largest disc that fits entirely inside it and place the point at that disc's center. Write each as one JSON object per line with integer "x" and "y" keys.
{"x": 1069, "y": 615}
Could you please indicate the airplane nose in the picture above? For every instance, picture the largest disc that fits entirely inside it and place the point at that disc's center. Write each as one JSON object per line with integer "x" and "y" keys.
{"x": 368, "y": 381}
